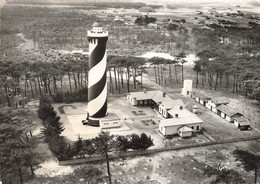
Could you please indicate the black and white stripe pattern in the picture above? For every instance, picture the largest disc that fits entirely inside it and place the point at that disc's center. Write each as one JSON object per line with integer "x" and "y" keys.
{"x": 97, "y": 84}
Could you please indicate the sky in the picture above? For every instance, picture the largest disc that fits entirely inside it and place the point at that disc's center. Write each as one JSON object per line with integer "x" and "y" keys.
{"x": 255, "y": 3}
{"x": 241, "y": 2}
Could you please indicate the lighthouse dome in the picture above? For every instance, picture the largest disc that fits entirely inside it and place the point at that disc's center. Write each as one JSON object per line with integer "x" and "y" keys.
{"x": 97, "y": 24}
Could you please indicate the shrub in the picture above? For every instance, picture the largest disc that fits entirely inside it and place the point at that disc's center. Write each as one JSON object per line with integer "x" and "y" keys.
{"x": 80, "y": 148}
{"x": 54, "y": 123}
{"x": 88, "y": 147}
{"x": 134, "y": 142}
{"x": 123, "y": 143}
{"x": 52, "y": 130}
{"x": 172, "y": 27}
{"x": 146, "y": 141}
{"x": 145, "y": 20}
{"x": 58, "y": 97}
{"x": 141, "y": 142}
{"x": 78, "y": 145}
{"x": 45, "y": 109}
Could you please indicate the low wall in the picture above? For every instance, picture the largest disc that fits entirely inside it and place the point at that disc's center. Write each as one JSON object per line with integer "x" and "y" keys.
{"x": 152, "y": 151}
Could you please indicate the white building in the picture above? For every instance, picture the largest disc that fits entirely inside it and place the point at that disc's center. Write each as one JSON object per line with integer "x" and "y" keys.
{"x": 242, "y": 123}
{"x": 228, "y": 113}
{"x": 214, "y": 102}
{"x": 172, "y": 126}
{"x": 195, "y": 109}
{"x": 147, "y": 98}
{"x": 187, "y": 87}
{"x": 185, "y": 131}
{"x": 201, "y": 98}
{"x": 165, "y": 106}
{"x": 111, "y": 120}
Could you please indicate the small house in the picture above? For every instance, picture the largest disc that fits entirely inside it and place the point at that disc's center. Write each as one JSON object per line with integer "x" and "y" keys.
{"x": 201, "y": 98}
{"x": 214, "y": 102}
{"x": 228, "y": 113}
{"x": 195, "y": 109}
{"x": 242, "y": 123}
{"x": 185, "y": 131}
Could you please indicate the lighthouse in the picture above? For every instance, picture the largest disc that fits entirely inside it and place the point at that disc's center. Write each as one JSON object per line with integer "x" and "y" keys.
{"x": 97, "y": 78}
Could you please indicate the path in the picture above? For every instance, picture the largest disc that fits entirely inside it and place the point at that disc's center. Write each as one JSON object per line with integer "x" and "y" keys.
{"x": 27, "y": 43}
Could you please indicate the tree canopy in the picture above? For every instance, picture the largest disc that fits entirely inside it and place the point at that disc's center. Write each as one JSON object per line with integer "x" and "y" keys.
{"x": 250, "y": 161}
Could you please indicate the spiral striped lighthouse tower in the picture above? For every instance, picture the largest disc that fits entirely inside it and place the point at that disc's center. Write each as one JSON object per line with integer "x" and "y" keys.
{"x": 97, "y": 80}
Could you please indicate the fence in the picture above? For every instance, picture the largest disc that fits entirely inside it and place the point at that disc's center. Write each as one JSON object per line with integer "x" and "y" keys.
{"x": 153, "y": 151}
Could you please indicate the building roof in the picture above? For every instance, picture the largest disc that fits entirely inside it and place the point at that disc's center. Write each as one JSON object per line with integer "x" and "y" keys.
{"x": 242, "y": 121}
{"x": 185, "y": 129}
{"x": 176, "y": 109}
{"x": 180, "y": 121}
{"x": 156, "y": 96}
{"x": 227, "y": 110}
{"x": 201, "y": 95}
{"x": 195, "y": 107}
{"x": 159, "y": 97}
{"x": 169, "y": 104}
{"x": 143, "y": 95}
{"x": 179, "y": 102}
{"x": 220, "y": 100}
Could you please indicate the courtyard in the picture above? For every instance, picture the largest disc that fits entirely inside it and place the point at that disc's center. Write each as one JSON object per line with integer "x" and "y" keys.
{"x": 144, "y": 119}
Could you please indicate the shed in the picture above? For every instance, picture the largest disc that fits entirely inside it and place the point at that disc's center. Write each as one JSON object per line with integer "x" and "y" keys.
{"x": 242, "y": 123}
{"x": 185, "y": 131}
{"x": 201, "y": 98}
{"x": 195, "y": 109}
{"x": 214, "y": 102}
{"x": 228, "y": 113}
